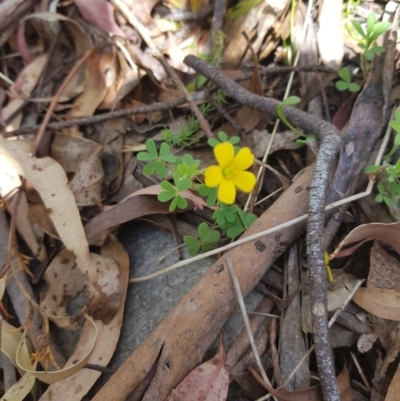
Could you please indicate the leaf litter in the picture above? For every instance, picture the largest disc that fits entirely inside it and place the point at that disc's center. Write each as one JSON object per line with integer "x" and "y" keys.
{"x": 66, "y": 194}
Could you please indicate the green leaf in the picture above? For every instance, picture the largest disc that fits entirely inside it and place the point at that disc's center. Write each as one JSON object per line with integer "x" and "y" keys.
{"x": 371, "y": 19}
{"x": 222, "y": 136}
{"x": 193, "y": 244}
{"x": 203, "y": 231}
{"x": 161, "y": 169}
{"x": 151, "y": 167}
{"x": 362, "y": 46}
{"x": 345, "y": 74}
{"x": 211, "y": 194}
{"x": 164, "y": 149}
{"x": 397, "y": 140}
{"x": 145, "y": 157}
{"x": 397, "y": 114}
{"x": 354, "y": 87}
{"x": 213, "y": 236}
{"x": 234, "y": 231}
{"x": 151, "y": 147}
{"x": 369, "y": 55}
{"x": 358, "y": 28}
{"x": 168, "y": 158}
{"x": 167, "y": 186}
{"x": 242, "y": 8}
{"x": 372, "y": 169}
{"x": 377, "y": 49}
{"x": 291, "y": 100}
{"x": 181, "y": 202}
{"x": 380, "y": 28}
{"x": 165, "y": 196}
{"x": 184, "y": 184}
{"x": 173, "y": 204}
{"x": 388, "y": 201}
{"x": 379, "y": 198}
{"x": 341, "y": 85}
{"x": 247, "y": 218}
{"x": 234, "y": 140}
{"x": 213, "y": 142}
{"x": 395, "y": 125}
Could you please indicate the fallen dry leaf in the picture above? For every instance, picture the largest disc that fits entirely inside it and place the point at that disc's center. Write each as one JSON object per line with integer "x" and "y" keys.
{"x": 381, "y": 303}
{"x": 208, "y": 382}
{"x": 101, "y": 14}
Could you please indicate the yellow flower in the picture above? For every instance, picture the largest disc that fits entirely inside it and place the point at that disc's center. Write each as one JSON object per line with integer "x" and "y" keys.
{"x": 230, "y": 173}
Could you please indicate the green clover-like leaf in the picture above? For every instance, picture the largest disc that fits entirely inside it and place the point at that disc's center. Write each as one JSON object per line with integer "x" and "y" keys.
{"x": 193, "y": 244}
{"x": 354, "y": 87}
{"x": 345, "y": 74}
{"x": 341, "y": 85}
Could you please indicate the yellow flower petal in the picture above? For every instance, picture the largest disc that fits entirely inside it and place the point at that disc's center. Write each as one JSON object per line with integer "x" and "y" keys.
{"x": 243, "y": 160}
{"x": 213, "y": 176}
{"x": 245, "y": 180}
{"x": 227, "y": 192}
{"x": 224, "y": 153}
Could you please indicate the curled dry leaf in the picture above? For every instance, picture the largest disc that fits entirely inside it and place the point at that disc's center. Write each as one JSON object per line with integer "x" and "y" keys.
{"x": 208, "y": 382}
{"x": 25, "y": 365}
{"x": 76, "y": 387}
{"x": 386, "y": 233}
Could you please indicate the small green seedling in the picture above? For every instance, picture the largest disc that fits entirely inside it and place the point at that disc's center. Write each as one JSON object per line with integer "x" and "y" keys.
{"x": 185, "y": 136}
{"x": 290, "y": 101}
{"x": 242, "y": 8}
{"x": 345, "y": 82}
{"x": 369, "y": 35}
{"x": 388, "y": 175}
{"x": 158, "y": 160}
{"x": 208, "y": 239}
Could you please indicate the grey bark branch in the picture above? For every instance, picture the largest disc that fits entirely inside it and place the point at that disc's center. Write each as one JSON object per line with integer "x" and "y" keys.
{"x": 330, "y": 143}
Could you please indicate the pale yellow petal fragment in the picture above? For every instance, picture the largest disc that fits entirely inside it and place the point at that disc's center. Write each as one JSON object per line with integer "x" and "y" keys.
{"x": 227, "y": 192}
{"x": 243, "y": 160}
{"x": 213, "y": 176}
{"x": 224, "y": 153}
{"x": 245, "y": 180}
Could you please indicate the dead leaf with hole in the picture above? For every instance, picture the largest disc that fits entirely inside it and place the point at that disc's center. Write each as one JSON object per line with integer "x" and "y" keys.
{"x": 81, "y": 158}
{"x": 208, "y": 382}
{"x": 22, "y": 88}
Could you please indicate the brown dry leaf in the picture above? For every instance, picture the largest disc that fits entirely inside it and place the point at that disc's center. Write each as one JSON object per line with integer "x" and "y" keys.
{"x": 22, "y": 88}
{"x": 76, "y": 387}
{"x": 386, "y": 233}
{"x": 63, "y": 281}
{"x": 101, "y": 67}
{"x": 208, "y": 382}
{"x": 32, "y": 235}
{"x": 50, "y": 180}
{"x": 381, "y": 303}
{"x": 314, "y": 393}
{"x": 130, "y": 209}
{"x": 41, "y": 216}
{"x": 82, "y": 158}
{"x": 394, "y": 388}
{"x": 101, "y": 14}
